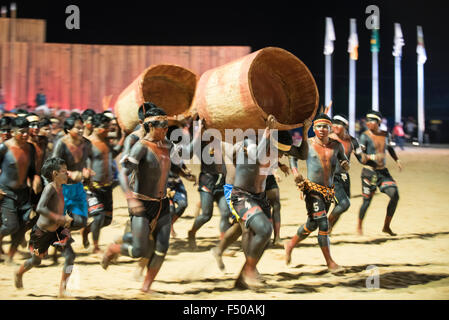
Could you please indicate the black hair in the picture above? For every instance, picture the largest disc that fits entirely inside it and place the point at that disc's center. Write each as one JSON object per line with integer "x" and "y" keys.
{"x": 21, "y": 111}
{"x": 75, "y": 114}
{"x": 100, "y": 119}
{"x": 20, "y": 122}
{"x": 170, "y": 131}
{"x": 285, "y": 137}
{"x": 323, "y": 116}
{"x": 50, "y": 165}
{"x": 144, "y": 109}
{"x": 44, "y": 122}
{"x": 88, "y": 113}
{"x": 154, "y": 112}
{"x": 5, "y": 123}
{"x": 69, "y": 123}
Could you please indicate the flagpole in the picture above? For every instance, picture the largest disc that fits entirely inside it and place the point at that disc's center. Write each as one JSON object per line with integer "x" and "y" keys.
{"x": 422, "y": 58}
{"x": 375, "y": 66}
{"x": 397, "y": 53}
{"x": 329, "y": 38}
{"x": 353, "y": 56}
{"x": 328, "y": 82}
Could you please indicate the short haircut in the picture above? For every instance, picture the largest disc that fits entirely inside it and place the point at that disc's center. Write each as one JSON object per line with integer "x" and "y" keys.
{"x": 21, "y": 111}
{"x": 44, "y": 122}
{"x": 88, "y": 114}
{"x": 144, "y": 109}
{"x": 100, "y": 119}
{"x": 75, "y": 114}
{"x": 69, "y": 123}
{"x": 374, "y": 115}
{"x": 20, "y": 122}
{"x": 50, "y": 165}
{"x": 5, "y": 123}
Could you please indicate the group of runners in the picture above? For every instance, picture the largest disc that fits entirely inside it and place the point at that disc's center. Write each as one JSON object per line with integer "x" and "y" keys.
{"x": 58, "y": 177}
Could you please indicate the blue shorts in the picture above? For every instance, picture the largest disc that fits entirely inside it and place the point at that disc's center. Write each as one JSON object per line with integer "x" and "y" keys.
{"x": 75, "y": 199}
{"x": 227, "y": 193}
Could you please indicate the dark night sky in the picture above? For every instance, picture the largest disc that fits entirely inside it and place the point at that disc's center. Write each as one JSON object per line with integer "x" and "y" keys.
{"x": 297, "y": 26}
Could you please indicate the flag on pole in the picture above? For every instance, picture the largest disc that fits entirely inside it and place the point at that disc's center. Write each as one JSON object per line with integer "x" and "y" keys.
{"x": 329, "y": 37}
{"x": 398, "y": 41}
{"x": 375, "y": 42}
{"x": 353, "y": 41}
{"x": 420, "y": 50}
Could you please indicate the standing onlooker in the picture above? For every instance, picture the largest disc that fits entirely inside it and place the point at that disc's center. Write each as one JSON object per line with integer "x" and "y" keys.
{"x": 399, "y": 135}
{"x": 2, "y": 100}
{"x": 410, "y": 127}
{"x": 41, "y": 98}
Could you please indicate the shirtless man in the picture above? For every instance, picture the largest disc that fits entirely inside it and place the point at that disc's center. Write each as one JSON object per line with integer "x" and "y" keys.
{"x": 374, "y": 173}
{"x": 235, "y": 231}
{"x": 149, "y": 160}
{"x": 52, "y": 226}
{"x": 341, "y": 178}
{"x": 5, "y": 129}
{"x": 210, "y": 186}
{"x": 324, "y": 154}
{"x": 88, "y": 116}
{"x": 248, "y": 197}
{"x": 99, "y": 187}
{"x": 75, "y": 150}
{"x": 17, "y": 163}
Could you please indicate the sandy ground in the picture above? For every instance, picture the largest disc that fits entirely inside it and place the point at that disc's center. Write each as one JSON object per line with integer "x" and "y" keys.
{"x": 412, "y": 265}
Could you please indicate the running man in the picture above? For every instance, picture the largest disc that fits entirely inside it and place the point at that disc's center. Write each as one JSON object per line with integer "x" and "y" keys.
{"x": 324, "y": 154}
{"x": 99, "y": 187}
{"x": 342, "y": 182}
{"x": 149, "y": 161}
{"x": 374, "y": 173}
{"x": 17, "y": 163}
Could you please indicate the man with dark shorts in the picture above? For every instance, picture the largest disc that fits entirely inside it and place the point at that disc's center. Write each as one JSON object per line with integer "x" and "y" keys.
{"x": 52, "y": 226}
{"x": 248, "y": 198}
{"x": 210, "y": 187}
{"x": 17, "y": 163}
{"x": 341, "y": 178}
{"x": 149, "y": 161}
{"x": 374, "y": 173}
{"x": 99, "y": 187}
{"x": 324, "y": 153}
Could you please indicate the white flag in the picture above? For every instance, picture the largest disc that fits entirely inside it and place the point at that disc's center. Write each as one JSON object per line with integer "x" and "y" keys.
{"x": 353, "y": 41}
{"x": 420, "y": 50}
{"x": 398, "y": 42}
{"x": 329, "y": 37}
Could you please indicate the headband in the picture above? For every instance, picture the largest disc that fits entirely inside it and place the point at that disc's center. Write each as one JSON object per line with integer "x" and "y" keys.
{"x": 374, "y": 116}
{"x": 53, "y": 120}
{"x": 32, "y": 118}
{"x": 339, "y": 118}
{"x": 281, "y": 146}
{"x": 324, "y": 121}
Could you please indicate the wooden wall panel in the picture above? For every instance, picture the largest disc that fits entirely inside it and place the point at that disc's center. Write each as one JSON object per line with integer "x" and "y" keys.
{"x": 77, "y": 76}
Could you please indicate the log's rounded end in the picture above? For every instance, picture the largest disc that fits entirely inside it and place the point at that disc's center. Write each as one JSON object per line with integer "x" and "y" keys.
{"x": 170, "y": 87}
{"x": 282, "y": 85}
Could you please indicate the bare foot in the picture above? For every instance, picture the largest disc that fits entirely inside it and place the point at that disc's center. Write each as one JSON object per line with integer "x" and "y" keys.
{"x": 18, "y": 280}
{"x": 359, "y": 231}
{"x": 335, "y": 268}
{"x": 388, "y": 230}
{"x": 192, "y": 241}
{"x": 288, "y": 252}
{"x": 252, "y": 281}
{"x": 277, "y": 241}
{"x": 97, "y": 250}
{"x": 107, "y": 258}
{"x": 173, "y": 234}
{"x": 218, "y": 258}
